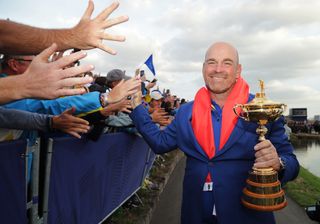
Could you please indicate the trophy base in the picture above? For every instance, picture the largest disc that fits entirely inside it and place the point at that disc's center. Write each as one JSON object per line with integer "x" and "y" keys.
{"x": 263, "y": 191}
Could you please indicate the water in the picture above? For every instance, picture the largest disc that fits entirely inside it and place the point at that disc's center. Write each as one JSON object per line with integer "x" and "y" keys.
{"x": 308, "y": 154}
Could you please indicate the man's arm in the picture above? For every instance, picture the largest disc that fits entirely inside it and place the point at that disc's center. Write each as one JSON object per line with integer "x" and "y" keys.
{"x": 65, "y": 122}
{"x": 46, "y": 80}
{"x": 87, "y": 34}
{"x": 161, "y": 141}
{"x": 16, "y": 119}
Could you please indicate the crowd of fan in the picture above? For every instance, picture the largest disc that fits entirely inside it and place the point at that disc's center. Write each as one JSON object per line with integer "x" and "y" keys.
{"x": 97, "y": 116}
{"x": 45, "y": 88}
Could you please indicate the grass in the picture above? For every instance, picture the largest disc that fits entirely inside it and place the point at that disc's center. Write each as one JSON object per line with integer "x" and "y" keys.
{"x": 305, "y": 189}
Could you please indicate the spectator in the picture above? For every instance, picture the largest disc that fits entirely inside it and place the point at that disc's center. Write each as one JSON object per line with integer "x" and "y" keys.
{"x": 158, "y": 114}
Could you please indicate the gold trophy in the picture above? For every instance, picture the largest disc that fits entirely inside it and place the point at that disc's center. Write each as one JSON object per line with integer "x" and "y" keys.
{"x": 263, "y": 191}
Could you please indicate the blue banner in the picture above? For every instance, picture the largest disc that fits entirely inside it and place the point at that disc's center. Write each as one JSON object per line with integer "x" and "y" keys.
{"x": 13, "y": 182}
{"x": 90, "y": 179}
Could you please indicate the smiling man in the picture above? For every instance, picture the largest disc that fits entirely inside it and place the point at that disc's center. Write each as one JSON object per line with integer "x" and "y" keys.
{"x": 220, "y": 148}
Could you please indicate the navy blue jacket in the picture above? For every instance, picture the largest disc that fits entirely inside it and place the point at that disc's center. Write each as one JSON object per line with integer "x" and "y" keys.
{"x": 229, "y": 167}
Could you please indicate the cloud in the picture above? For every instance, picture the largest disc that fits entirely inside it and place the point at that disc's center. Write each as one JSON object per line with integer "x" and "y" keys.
{"x": 278, "y": 40}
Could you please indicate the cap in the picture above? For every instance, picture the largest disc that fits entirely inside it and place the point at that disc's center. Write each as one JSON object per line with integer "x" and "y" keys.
{"x": 116, "y": 75}
{"x": 101, "y": 80}
{"x": 156, "y": 95}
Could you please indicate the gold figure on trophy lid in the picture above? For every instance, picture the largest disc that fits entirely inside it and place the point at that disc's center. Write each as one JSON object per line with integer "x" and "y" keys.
{"x": 261, "y": 94}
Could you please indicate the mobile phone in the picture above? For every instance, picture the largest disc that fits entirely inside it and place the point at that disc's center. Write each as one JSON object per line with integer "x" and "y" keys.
{"x": 154, "y": 80}
{"x": 141, "y": 73}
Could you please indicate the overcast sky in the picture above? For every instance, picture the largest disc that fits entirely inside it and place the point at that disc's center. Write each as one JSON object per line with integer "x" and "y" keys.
{"x": 278, "y": 40}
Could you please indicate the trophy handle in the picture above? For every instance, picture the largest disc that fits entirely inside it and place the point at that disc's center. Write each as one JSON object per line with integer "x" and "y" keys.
{"x": 243, "y": 109}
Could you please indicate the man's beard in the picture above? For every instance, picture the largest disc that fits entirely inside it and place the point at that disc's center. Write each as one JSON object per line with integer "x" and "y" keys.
{"x": 219, "y": 91}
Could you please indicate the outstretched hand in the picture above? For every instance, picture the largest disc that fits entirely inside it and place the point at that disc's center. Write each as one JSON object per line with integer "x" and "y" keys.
{"x": 90, "y": 33}
{"x": 161, "y": 117}
{"x": 124, "y": 89}
{"x": 48, "y": 80}
{"x": 70, "y": 124}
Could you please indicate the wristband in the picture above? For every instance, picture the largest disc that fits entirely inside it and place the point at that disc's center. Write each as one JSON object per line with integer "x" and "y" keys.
{"x": 104, "y": 99}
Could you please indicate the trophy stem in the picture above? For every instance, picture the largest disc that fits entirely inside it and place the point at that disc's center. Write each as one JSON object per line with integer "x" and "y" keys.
{"x": 262, "y": 130}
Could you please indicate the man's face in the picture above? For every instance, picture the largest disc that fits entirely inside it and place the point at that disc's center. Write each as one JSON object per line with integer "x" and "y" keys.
{"x": 114, "y": 84}
{"x": 155, "y": 103}
{"x": 19, "y": 64}
{"x": 221, "y": 69}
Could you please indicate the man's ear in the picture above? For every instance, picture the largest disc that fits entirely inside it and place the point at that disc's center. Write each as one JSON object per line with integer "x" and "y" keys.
{"x": 239, "y": 69}
{"x": 203, "y": 64}
{"x": 12, "y": 64}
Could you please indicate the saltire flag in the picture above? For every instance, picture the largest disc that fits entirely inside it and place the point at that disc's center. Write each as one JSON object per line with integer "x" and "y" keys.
{"x": 149, "y": 64}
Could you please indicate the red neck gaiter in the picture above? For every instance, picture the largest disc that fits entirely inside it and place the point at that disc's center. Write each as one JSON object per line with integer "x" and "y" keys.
{"x": 202, "y": 120}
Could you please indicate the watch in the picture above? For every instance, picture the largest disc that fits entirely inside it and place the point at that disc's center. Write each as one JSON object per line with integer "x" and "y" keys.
{"x": 104, "y": 99}
{"x": 282, "y": 164}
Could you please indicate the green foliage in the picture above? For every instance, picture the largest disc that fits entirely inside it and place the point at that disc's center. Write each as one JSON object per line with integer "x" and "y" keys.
{"x": 305, "y": 189}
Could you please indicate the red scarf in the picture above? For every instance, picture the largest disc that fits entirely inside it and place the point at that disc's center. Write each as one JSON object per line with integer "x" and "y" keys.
{"x": 202, "y": 120}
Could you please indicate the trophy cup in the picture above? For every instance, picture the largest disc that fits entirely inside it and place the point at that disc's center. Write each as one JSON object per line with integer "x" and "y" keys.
{"x": 263, "y": 191}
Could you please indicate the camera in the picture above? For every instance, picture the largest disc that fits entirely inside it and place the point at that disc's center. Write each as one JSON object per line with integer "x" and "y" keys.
{"x": 313, "y": 211}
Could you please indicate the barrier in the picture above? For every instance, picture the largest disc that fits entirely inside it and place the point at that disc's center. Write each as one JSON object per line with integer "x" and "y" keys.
{"x": 89, "y": 180}
{"x": 85, "y": 181}
{"x": 13, "y": 182}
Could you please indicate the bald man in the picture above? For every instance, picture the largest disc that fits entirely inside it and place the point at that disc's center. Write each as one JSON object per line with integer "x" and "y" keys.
{"x": 220, "y": 148}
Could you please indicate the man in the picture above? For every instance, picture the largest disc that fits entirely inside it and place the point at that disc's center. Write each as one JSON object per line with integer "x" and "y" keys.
{"x": 117, "y": 114}
{"x": 220, "y": 148}
{"x": 49, "y": 81}
{"x": 158, "y": 114}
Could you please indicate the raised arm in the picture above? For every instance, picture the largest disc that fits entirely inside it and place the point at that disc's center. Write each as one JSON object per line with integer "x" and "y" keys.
{"x": 46, "y": 80}
{"x": 87, "y": 34}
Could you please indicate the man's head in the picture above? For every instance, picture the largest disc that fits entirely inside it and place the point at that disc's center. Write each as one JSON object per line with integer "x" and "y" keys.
{"x": 15, "y": 64}
{"x": 221, "y": 68}
{"x": 156, "y": 99}
{"x": 115, "y": 76}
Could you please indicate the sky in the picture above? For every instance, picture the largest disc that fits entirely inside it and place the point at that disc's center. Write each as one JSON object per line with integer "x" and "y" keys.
{"x": 278, "y": 41}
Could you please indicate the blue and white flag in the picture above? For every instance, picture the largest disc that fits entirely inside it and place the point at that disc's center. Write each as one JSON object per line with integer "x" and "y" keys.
{"x": 149, "y": 64}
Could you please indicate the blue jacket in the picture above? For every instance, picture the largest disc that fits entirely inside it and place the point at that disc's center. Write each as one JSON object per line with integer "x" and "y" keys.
{"x": 84, "y": 104}
{"x": 229, "y": 167}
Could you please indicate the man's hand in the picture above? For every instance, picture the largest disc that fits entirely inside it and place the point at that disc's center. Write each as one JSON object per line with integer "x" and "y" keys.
{"x": 136, "y": 98}
{"x": 150, "y": 85}
{"x": 57, "y": 55}
{"x": 89, "y": 33}
{"x": 161, "y": 117}
{"x": 48, "y": 80}
{"x": 70, "y": 124}
{"x": 266, "y": 156}
{"x": 123, "y": 90}
{"x": 123, "y": 106}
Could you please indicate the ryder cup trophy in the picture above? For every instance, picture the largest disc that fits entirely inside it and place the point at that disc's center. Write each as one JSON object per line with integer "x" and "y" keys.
{"x": 263, "y": 191}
